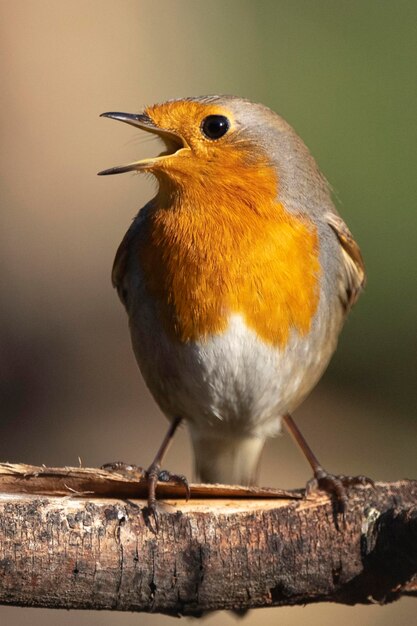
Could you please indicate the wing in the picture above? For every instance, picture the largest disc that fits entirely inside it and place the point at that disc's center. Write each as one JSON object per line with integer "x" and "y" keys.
{"x": 354, "y": 275}
{"x": 120, "y": 271}
{"x": 120, "y": 267}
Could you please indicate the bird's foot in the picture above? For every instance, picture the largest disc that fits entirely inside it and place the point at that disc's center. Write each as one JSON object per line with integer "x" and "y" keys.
{"x": 337, "y": 487}
{"x": 153, "y": 475}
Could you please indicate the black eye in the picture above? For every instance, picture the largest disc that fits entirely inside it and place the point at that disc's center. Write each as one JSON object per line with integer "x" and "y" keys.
{"x": 215, "y": 126}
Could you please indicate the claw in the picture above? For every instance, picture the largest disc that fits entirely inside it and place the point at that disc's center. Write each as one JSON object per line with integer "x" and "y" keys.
{"x": 353, "y": 481}
{"x": 336, "y": 487}
{"x": 153, "y": 475}
{"x": 165, "y": 477}
{"x": 333, "y": 485}
{"x": 150, "y": 512}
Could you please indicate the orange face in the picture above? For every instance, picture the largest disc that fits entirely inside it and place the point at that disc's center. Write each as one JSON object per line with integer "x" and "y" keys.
{"x": 218, "y": 241}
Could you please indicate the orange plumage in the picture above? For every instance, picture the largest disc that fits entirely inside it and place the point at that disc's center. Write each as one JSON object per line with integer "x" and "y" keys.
{"x": 205, "y": 260}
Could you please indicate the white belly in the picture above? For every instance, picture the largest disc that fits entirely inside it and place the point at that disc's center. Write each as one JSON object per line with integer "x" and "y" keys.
{"x": 233, "y": 382}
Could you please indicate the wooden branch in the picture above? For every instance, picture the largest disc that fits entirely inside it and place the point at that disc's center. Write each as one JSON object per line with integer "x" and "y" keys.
{"x": 70, "y": 538}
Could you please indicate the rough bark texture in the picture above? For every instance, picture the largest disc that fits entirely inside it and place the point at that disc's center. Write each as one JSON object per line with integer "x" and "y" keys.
{"x": 256, "y": 549}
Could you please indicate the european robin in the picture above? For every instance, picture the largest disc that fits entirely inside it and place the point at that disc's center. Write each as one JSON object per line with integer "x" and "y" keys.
{"x": 237, "y": 278}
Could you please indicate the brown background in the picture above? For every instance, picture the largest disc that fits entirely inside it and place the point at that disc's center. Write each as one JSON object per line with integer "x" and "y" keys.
{"x": 342, "y": 74}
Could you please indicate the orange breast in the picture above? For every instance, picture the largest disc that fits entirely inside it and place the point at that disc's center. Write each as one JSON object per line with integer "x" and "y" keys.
{"x": 215, "y": 251}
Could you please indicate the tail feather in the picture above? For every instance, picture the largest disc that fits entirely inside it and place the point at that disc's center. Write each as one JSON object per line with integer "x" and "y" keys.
{"x": 232, "y": 461}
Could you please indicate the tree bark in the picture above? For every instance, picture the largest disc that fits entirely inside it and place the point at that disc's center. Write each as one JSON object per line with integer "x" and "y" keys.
{"x": 72, "y": 538}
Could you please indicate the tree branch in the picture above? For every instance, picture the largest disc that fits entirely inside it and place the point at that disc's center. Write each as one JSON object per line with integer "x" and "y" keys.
{"x": 71, "y": 538}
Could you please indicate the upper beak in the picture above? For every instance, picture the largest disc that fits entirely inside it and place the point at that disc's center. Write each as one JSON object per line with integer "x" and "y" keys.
{"x": 173, "y": 141}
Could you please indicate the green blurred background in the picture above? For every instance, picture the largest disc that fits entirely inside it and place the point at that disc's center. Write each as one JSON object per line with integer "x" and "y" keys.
{"x": 343, "y": 74}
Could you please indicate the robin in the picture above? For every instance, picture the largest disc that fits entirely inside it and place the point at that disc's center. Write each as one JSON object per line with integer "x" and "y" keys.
{"x": 237, "y": 278}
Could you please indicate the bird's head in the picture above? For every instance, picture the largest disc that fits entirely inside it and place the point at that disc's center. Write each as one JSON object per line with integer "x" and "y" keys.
{"x": 221, "y": 139}
{"x": 226, "y": 145}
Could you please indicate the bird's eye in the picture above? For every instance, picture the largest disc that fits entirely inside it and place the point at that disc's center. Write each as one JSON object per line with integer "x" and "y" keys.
{"x": 215, "y": 126}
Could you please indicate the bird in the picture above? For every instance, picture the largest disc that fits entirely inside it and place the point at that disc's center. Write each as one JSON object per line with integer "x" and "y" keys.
{"x": 237, "y": 278}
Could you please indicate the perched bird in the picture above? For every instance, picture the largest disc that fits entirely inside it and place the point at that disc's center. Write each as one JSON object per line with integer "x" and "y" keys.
{"x": 237, "y": 278}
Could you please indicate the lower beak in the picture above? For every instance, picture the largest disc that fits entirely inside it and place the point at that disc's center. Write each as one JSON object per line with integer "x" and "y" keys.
{"x": 173, "y": 142}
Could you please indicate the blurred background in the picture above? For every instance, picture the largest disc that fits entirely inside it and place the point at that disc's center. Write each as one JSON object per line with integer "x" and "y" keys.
{"x": 343, "y": 74}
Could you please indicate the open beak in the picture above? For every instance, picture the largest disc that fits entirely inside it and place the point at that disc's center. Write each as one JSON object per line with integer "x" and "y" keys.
{"x": 173, "y": 142}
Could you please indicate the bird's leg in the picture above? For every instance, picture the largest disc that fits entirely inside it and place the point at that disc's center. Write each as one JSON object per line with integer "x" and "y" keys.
{"x": 154, "y": 474}
{"x": 334, "y": 485}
